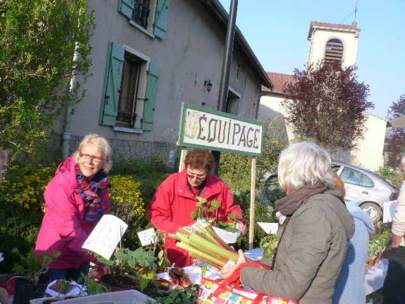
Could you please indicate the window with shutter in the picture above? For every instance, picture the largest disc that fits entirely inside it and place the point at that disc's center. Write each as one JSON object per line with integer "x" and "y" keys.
{"x": 149, "y": 15}
{"x": 334, "y": 51}
{"x": 151, "y": 93}
{"x": 130, "y": 88}
{"x": 112, "y": 84}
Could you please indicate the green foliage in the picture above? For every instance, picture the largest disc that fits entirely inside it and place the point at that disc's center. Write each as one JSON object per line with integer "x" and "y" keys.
{"x": 25, "y": 186}
{"x": 269, "y": 243}
{"x": 148, "y": 174}
{"x": 235, "y": 169}
{"x": 187, "y": 295}
{"x": 391, "y": 175}
{"x": 327, "y": 103}
{"x": 31, "y": 266}
{"x": 37, "y": 46}
{"x": 127, "y": 204}
{"x": 380, "y": 240}
{"x": 92, "y": 286}
{"x": 395, "y": 137}
{"x": 139, "y": 264}
{"x": 126, "y": 260}
{"x": 21, "y": 202}
{"x": 263, "y": 213}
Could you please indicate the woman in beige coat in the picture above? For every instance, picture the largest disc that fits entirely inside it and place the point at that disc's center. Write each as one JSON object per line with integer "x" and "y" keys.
{"x": 314, "y": 235}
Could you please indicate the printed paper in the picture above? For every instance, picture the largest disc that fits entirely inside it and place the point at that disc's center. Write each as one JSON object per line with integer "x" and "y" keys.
{"x": 105, "y": 236}
{"x": 147, "y": 236}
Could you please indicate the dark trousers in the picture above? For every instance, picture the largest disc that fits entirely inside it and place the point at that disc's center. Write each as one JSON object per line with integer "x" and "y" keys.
{"x": 74, "y": 274}
{"x": 394, "y": 283}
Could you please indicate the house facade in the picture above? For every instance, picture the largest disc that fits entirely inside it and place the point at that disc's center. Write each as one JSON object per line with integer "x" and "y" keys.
{"x": 329, "y": 42}
{"x": 150, "y": 56}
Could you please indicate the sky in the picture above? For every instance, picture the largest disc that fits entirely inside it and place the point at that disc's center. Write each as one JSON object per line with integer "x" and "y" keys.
{"x": 277, "y": 32}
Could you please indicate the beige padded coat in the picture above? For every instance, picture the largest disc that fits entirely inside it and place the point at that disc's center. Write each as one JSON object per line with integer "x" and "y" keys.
{"x": 310, "y": 255}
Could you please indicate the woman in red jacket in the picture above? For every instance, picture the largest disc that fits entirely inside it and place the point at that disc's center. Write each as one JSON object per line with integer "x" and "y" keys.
{"x": 176, "y": 199}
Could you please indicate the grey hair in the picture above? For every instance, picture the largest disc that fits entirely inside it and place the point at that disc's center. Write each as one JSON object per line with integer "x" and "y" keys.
{"x": 304, "y": 163}
{"x": 100, "y": 142}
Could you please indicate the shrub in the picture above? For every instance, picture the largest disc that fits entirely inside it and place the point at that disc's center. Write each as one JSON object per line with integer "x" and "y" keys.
{"x": 263, "y": 213}
{"x": 24, "y": 186}
{"x": 127, "y": 204}
{"x": 126, "y": 198}
{"x": 21, "y": 202}
{"x": 391, "y": 175}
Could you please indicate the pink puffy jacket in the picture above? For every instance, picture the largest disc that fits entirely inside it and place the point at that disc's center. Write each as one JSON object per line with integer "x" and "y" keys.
{"x": 64, "y": 228}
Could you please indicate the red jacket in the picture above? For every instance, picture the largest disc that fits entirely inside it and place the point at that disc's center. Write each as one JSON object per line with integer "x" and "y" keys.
{"x": 64, "y": 228}
{"x": 173, "y": 203}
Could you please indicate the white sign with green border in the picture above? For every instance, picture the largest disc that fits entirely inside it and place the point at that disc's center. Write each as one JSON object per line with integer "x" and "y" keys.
{"x": 202, "y": 127}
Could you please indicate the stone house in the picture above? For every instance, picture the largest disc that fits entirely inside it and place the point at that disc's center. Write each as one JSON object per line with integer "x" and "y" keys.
{"x": 148, "y": 57}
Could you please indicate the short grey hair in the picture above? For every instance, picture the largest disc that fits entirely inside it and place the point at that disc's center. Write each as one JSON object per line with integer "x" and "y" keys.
{"x": 304, "y": 163}
{"x": 100, "y": 142}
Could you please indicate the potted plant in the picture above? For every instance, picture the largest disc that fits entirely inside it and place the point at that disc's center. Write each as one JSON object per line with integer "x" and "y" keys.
{"x": 208, "y": 211}
{"x": 378, "y": 245}
{"x": 31, "y": 278}
{"x": 131, "y": 269}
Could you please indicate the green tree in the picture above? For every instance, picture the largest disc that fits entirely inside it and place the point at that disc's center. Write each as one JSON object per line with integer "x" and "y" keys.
{"x": 326, "y": 103}
{"x": 395, "y": 137}
{"x": 43, "y": 44}
{"x": 235, "y": 169}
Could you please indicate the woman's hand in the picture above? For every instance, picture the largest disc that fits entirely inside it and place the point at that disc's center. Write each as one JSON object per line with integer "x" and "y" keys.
{"x": 228, "y": 271}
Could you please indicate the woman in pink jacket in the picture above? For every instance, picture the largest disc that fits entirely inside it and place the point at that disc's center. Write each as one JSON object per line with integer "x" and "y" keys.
{"x": 75, "y": 200}
{"x": 176, "y": 199}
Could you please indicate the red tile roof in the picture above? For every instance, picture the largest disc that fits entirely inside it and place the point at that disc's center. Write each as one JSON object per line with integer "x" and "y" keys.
{"x": 279, "y": 80}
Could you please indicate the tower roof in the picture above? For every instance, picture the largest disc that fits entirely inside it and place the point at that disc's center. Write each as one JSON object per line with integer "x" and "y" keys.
{"x": 331, "y": 26}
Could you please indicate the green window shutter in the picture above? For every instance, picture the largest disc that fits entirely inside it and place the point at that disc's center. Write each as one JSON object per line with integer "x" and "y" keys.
{"x": 162, "y": 12}
{"x": 112, "y": 84}
{"x": 151, "y": 92}
{"x": 126, "y": 7}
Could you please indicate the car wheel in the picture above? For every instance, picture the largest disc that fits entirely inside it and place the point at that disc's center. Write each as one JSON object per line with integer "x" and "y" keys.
{"x": 373, "y": 210}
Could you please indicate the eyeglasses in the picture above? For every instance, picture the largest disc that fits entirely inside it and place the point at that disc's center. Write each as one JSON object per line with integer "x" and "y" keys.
{"x": 96, "y": 159}
{"x": 197, "y": 176}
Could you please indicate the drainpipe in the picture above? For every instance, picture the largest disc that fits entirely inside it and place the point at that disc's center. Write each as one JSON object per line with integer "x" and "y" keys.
{"x": 69, "y": 107}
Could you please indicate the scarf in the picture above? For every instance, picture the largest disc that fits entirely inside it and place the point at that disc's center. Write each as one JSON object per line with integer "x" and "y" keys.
{"x": 289, "y": 204}
{"x": 91, "y": 193}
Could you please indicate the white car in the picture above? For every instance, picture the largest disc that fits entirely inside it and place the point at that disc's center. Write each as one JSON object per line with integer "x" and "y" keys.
{"x": 366, "y": 188}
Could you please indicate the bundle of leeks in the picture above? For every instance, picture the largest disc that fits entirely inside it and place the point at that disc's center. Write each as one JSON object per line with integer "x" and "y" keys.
{"x": 204, "y": 244}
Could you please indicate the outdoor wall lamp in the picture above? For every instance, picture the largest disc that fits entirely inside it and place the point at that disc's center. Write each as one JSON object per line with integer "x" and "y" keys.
{"x": 208, "y": 85}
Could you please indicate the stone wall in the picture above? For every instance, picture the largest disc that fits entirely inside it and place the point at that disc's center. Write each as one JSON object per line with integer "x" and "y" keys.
{"x": 131, "y": 149}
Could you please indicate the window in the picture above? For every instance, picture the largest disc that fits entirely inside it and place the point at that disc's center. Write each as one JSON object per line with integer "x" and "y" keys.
{"x": 355, "y": 177}
{"x": 130, "y": 88}
{"x": 334, "y": 51}
{"x": 129, "y": 91}
{"x": 141, "y": 12}
{"x": 150, "y": 15}
{"x": 232, "y": 104}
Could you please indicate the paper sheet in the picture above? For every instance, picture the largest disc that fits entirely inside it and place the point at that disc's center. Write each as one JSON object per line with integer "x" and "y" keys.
{"x": 147, "y": 236}
{"x": 269, "y": 228}
{"x": 389, "y": 209}
{"x": 227, "y": 236}
{"x": 105, "y": 236}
